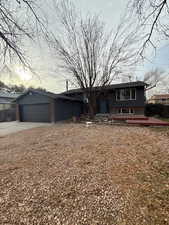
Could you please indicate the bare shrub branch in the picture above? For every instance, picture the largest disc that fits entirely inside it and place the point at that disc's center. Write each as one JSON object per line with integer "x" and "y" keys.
{"x": 153, "y": 17}
{"x": 18, "y": 20}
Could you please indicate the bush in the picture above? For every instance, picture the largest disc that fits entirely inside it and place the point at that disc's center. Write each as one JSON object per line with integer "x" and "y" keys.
{"x": 157, "y": 110}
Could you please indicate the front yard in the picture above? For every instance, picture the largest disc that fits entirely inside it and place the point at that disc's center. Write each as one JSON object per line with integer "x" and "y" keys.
{"x": 69, "y": 174}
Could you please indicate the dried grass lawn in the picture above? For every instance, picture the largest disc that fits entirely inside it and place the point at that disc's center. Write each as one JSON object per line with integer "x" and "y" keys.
{"x": 72, "y": 175}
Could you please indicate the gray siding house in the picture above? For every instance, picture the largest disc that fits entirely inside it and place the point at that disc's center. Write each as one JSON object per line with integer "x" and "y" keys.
{"x": 7, "y": 107}
{"x": 6, "y": 99}
{"x": 40, "y": 106}
{"x": 124, "y": 98}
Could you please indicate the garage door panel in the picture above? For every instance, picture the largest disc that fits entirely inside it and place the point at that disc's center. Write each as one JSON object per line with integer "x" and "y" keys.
{"x": 35, "y": 113}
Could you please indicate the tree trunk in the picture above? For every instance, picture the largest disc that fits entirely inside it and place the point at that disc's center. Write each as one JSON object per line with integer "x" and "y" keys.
{"x": 91, "y": 110}
{"x": 91, "y": 105}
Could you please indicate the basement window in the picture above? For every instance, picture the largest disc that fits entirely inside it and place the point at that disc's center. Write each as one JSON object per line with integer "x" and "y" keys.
{"x": 126, "y": 111}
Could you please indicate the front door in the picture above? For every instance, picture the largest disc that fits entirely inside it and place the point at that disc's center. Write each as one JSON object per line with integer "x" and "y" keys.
{"x": 103, "y": 106}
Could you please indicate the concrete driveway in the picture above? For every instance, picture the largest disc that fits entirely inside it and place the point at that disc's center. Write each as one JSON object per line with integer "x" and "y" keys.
{"x": 13, "y": 127}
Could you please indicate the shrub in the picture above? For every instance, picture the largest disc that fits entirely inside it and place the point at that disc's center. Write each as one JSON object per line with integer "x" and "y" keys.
{"x": 157, "y": 110}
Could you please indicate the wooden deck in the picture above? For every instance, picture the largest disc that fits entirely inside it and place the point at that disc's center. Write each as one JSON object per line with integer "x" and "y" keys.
{"x": 129, "y": 117}
{"x": 150, "y": 122}
{"x": 139, "y": 120}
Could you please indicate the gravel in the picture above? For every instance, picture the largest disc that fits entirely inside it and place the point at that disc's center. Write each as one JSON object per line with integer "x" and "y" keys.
{"x": 71, "y": 174}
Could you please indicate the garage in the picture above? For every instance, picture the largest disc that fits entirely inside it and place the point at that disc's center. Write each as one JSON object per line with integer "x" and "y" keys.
{"x": 35, "y": 113}
{"x": 41, "y": 106}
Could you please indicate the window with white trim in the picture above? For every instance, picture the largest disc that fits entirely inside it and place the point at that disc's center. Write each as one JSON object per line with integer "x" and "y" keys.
{"x": 126, "y": 111}
{"x": 126, "y": 94}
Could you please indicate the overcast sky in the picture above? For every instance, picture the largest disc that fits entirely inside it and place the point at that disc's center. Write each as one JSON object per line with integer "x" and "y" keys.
{"x": 110, "y": 12}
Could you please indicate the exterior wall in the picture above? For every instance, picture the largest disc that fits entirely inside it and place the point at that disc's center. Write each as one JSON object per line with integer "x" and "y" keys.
{"x": 8, "y": 115}
{"x": 79, "y": 96}
{"x": 139, "y": 102}
{"x": 113, "y": 105}
{"x": 59, "y": 109}
{"x": 107, "y": 103}
{"x": 33, "y": 98}
{"x": 18, "y": 117}
{"x": 137, "y": 105}
{"x": 137, "y": 110}
{"x": 65, "y": 109}
{"x": 53, "y": 110}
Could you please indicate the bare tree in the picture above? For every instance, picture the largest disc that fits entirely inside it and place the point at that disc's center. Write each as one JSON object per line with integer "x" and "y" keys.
{"x": 153, "y": 16}
{"x": 154, "y": 78}
{"x": 92, "y": 56}
{"x": 18, "y": 20}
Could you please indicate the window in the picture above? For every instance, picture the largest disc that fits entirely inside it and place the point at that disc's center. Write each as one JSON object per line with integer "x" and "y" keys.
{"x": 126, "y": 111}
{"x": 126, "y": 94}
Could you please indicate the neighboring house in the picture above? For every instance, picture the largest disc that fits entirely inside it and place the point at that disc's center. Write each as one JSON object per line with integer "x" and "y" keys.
{"x": 41, "y": 106}
{"x": 6, "y": 100}
{"x": 7, "y": 107}
{"x": 159, "y": 99}
{"x": 124, "y": 98}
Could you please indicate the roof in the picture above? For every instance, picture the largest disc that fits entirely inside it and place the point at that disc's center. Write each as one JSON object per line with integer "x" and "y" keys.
{"x": 9, "y": 95}
{"x": 49, "y": 94}
{"x": 5, "y": 101}
{"x": 110, "y": 87}
{"x": 158, "y": 97}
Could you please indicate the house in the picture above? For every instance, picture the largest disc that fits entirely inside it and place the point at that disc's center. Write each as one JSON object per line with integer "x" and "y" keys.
{"x": 7, "y": 107}
{"x": 159, "y": 99}
{"x": 124, "y": 98}
{"x": 6, "y": 100}
{"x": 42, "y": 106}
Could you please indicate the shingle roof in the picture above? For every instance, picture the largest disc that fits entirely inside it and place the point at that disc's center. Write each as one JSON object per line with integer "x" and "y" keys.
{"x": 9, "y": 95}
{"x": 109, "y": 87}
{"x": 4, "y": 101}
{"x": 50, "y": 95}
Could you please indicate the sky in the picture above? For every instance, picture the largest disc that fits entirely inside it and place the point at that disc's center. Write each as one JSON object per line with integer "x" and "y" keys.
{"x": 161, "y": 59}
{"x": 49, "y": 76}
